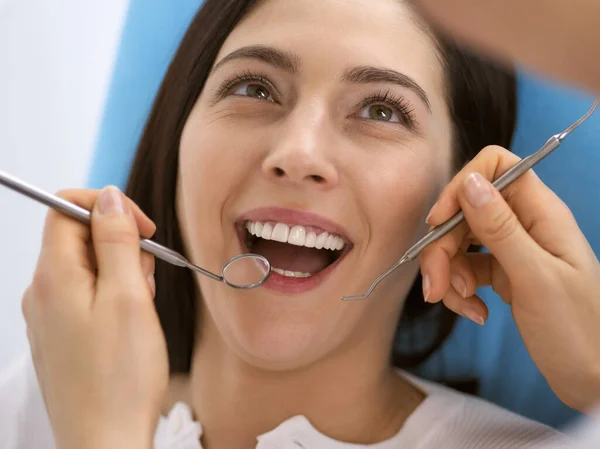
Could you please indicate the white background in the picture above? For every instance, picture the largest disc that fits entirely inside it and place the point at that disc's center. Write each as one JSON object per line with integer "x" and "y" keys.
{"x": 56, "y": 59}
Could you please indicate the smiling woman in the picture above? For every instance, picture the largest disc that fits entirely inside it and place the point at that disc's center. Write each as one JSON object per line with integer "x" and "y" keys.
{"x": 318, "y": 134}
{"x": 284, "y": 134}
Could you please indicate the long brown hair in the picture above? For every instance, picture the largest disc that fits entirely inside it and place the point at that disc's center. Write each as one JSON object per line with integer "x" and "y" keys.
{"x": 481, "y": 100}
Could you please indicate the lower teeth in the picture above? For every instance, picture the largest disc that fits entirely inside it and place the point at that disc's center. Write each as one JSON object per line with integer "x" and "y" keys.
{"x": 291, "y": 274}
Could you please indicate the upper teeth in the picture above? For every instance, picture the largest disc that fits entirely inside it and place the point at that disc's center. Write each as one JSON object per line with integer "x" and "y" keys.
{"x": 295, "y": 235}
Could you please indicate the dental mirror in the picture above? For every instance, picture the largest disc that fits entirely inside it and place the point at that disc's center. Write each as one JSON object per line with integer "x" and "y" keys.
{"x": 243, "y": 272}
{"x": 246, "y": 271}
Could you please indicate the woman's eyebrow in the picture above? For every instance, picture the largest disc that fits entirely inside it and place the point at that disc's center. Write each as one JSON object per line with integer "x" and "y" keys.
{"x": 289, "y": 62}
{"x": 280, "y": 59}
{"x": 367, "y": 74}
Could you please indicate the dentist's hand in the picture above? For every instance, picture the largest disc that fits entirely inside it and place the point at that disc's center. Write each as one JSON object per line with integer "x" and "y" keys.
{"x": 550, "y": 37}
{"x": 540, "y": 264}
{"x": 97, "y": 344}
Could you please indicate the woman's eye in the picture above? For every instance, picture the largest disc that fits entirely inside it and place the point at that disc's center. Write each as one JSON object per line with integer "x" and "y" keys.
{"x": 379, "y": 112}
{"x": 253, "y": 90}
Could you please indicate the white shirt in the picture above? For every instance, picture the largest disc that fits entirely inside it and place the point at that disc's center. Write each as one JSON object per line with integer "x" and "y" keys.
{"x": 445, "y": 419}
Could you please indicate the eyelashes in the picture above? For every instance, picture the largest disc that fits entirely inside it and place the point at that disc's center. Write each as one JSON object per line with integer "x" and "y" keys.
{"x": 385, "y": 98}
{"x": 397, "y": 104}
{"x": 225, "y": 88}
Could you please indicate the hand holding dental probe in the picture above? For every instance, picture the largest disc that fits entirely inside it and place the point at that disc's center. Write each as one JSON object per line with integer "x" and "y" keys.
{"x": 510, "y": 176}
{"x": 539, "y": 263}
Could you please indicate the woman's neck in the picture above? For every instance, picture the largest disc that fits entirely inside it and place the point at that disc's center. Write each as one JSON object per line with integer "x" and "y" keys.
{"x": 236, "y": 402}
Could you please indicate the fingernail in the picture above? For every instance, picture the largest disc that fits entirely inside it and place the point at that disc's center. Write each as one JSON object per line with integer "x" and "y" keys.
{"x": 478, "y": 190}
{"x": 426, "y": 287}
{"x": 474, "y": 316}
{"x": 111, "y": 201}
{"x": 459, "y": 285}
{"x": 430, "y": 214}
{"x": 152, "y": 283}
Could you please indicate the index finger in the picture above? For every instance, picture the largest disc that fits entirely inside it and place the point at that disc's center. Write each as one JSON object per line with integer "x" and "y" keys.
{"x": 65, "y": 239}
{"x": 535, "y": 205}
{"x": 491, "y": 162}
{"x": 538, "y": 209}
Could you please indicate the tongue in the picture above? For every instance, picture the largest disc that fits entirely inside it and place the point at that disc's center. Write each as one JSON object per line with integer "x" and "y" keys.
{"x": 292, "y": 258}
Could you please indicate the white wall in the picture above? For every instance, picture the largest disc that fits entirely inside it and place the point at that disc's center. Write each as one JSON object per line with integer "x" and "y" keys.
{"x": 55, "y": 63}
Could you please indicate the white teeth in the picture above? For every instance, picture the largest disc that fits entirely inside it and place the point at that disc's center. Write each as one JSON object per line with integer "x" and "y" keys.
{"x": 295, "y": 235}
{"x": 281, "y": 233}
{"x": 291, "y": 274}
{"x": 258, "y": 228}
{"x": 311, "y": 240}
{"x": 331, "y": 242}
{"x": 266, "y": 232}
{"x": 321, "y": 240}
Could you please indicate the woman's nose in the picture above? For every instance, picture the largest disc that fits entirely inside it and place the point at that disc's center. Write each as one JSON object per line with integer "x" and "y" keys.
{"x": 303, "y": 157}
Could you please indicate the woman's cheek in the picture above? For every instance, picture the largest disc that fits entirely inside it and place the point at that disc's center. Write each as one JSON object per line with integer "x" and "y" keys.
{"x": 206, "y": 155}
{"x": 400, "y": 195}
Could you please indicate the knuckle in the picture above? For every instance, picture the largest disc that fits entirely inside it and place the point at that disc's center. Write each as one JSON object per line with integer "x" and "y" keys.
{"x": 116, "y": 232}
{"x": 53, "y": 279}
{"x": 76, "y": 194}
{"x": 52, "y": 217}
{"x": 493, "y": 158}
{"x": 142, "y": 298}
{"x": 43, "y": 283}
{"x": 130, "y": 301}
{"x": 449, "y": 245}
{"x": 458, "y": 262}
{"x": 497, "y": 153}
{"x": 26, "y": 304}
{"x": 495, "y": 150}
{"x": 428, "y": 251}
{"x": 67, "y": 194}
{"x": 148, "y": 263}
{"x": 490, "y": 157}
{"x": 501, "y": 225}
{"x": 81, "y": 197}
{"x": 564, "y": 210}
{"x": 125, "y": 298}
{"x": 490, "y": 151}
{"x": 451, "y": 303}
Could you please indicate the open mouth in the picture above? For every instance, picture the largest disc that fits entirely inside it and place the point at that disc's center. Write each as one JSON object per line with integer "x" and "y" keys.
{"x": 295, "y": 251}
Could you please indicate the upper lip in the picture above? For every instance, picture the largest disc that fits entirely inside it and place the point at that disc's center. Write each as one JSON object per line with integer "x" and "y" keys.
{"x": 294, "y": 217}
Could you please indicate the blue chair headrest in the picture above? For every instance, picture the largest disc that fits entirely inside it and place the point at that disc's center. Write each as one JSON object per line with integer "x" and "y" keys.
{"x": 150, "y": 37}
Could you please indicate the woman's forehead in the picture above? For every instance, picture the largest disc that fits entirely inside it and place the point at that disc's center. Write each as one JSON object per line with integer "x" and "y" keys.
{"x": 331, "y": 35}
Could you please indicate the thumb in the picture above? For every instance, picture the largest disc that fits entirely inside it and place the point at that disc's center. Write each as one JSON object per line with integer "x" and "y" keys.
{"x": 116, "y": 240}
{"x": 494, "y": 223}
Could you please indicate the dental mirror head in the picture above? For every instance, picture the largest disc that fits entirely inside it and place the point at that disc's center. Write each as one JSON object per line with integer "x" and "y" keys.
{"x": 246, "y": 271}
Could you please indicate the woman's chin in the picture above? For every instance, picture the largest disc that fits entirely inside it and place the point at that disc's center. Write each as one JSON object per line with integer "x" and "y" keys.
{"x": 282, "y": 341}
{"x": 279, "y": 350}
{"x": 275, "y": 331}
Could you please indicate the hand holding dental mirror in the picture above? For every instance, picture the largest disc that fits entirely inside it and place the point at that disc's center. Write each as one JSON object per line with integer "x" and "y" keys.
{"x": 243, "y": 272}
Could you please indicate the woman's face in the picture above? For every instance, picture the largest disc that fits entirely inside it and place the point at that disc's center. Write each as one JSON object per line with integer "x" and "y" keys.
{"x": 323, "y": 124}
